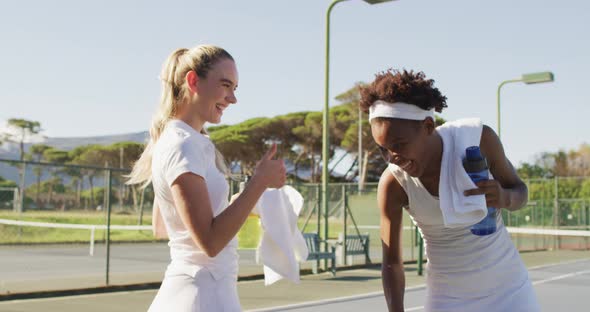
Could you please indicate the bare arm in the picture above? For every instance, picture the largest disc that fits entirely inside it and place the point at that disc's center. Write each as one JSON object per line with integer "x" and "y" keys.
{"x": 391, "y": 198}
{"x": 158, "y": 227}
{"x": 191, "y": 200}
{"x": 506, "y": 190}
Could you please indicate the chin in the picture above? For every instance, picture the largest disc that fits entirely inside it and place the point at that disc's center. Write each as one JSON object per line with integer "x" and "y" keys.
{"x": 415, "y": 172}
{"x": 215, "y": 120}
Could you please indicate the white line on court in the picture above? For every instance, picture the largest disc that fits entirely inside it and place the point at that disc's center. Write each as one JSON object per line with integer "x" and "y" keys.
{"x": 557, "y": 264}
{"x": 555, "y": 278}
{"x": 333, "y": 300}
{"x": 113, "y": 293}
{"x": 419, "y": 287}
{"x": 318, "y": 302}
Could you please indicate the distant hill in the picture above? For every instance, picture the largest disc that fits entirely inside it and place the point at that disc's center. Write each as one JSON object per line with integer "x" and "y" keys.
{"x": 71, "y": 143}
{"x": 10, "y": 150}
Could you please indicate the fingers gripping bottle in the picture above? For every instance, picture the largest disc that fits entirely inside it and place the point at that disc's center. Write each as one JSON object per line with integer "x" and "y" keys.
{"x": 477, "y": 168}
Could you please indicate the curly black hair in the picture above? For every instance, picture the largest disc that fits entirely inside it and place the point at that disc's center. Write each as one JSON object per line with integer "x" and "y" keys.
{"x": 403, "y": 86}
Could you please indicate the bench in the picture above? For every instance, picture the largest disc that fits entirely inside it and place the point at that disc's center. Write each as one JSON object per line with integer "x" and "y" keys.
{"x": 312, "y": 240}
{"x": 357, "y": 245}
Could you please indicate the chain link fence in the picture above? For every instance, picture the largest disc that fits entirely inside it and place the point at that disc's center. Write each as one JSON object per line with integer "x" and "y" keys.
{"x": 70, "y": 226}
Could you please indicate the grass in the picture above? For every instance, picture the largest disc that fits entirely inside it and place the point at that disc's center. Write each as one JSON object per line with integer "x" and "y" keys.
{"x": 363, "y": 207}
{"x": 76, "y": 217}
{"x": 11, "y": 234}
{"x": 248, "y": 236}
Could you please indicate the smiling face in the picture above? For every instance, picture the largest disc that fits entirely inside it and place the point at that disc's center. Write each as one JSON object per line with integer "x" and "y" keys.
{"x": 216, "y": 91}
{"x": 404, "y": 143}
{"x": 210, "y": 94}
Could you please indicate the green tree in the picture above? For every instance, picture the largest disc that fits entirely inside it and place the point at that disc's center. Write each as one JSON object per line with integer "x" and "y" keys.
{"x": 36, "y": 154}
{"x": 371, "y": 160}
{"x": 585, "y": 190}
{"x": 243, "y": 143}
{"x": 53, "y": 155}
{"x": 282, "y": 127}
{"x": 18, "y": 131}
{"x": 309, "y": 137}
{"x": 531, "y": 171}
{"x": 125, "y": 154}
{"x": 6, "y": 183}
{"x": 91, "y": 155}
{"x": 21, "y": 130}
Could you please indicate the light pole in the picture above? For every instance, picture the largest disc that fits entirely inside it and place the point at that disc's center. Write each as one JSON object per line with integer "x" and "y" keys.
{"x": 360, "y": 152}
{"x": 325, "y": 139}
{"x": 539, "y": 77}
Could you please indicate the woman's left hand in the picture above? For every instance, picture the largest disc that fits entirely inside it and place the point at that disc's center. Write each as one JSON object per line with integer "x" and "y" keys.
{"x": 496, "y": 195}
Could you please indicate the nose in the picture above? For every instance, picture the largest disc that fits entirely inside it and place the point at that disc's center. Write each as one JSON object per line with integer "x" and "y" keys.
{"x": 231, "y": 98}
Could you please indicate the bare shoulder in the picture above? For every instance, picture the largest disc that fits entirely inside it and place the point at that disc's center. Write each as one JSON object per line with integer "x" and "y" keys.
{"x": 490, "y": 144}
{"x": 388, "y": 182}
{"x": 489, "y": 138}
{"x": 390, "y": 193}
{"x": 500, "y": 166}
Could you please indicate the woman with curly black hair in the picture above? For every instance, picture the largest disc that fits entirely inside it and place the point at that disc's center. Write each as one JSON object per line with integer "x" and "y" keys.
{"x": 465, "y": 272}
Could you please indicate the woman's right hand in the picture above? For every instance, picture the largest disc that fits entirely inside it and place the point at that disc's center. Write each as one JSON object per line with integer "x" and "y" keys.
{"x": 271, "y": 172}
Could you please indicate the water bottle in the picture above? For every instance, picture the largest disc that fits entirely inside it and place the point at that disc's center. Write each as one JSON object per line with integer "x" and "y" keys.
{"x": 477, "y": 168}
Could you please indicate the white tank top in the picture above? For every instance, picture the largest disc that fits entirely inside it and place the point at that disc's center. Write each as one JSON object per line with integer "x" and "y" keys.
{"x": 466, "y": 272}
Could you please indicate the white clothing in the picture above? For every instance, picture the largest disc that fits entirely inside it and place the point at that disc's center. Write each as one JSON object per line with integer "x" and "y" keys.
{"x": 457, "y": 209}
{"x": 282, "y": 245}
{"x": 182, "y": 293}
{"x": 466, "y": 272}
{"x": 399, "y": 110}
{"x": 181, "y": 149}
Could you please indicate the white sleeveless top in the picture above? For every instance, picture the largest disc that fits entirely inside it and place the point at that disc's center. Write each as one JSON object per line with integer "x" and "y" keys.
{"x": 182, "y": 149}
{"x": 466, "y": 272}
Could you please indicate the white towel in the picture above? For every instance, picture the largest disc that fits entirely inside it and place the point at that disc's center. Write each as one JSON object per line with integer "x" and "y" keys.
{"x": 457, "y": 209}
{"x": 282, "y": 246}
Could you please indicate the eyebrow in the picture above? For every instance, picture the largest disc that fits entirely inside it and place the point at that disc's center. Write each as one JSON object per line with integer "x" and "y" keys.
{"x": 229, "y": 81}
{"x": 394, "y": 141}
{"x": 397, "y": 140}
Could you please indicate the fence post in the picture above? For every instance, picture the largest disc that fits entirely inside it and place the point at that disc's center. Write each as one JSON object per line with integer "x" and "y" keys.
{"x": 141, "y": 199}
{"x": 556, "y": 240}
{"x": 344, "y": 206}
{"x": 319, "y": 206}
{"x": 108, "y": 240}
{"x": 412, "y": 239}
{"x": 92, "y": 230}
{"x": 22, "y": 188}
{"x": 15, "y": 199}
{"x": 420, "y": 254}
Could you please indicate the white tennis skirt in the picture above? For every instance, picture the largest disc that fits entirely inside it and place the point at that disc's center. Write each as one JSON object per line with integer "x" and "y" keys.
{"x": 202, "y": 293}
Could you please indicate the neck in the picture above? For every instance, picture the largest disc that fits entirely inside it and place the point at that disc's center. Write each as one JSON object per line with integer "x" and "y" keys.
{"x": 432, "y": 171}
{"x": 192, "y": 120}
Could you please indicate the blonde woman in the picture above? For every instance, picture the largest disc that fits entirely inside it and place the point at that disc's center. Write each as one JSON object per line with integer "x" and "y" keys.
{"x": 189, "y": 179}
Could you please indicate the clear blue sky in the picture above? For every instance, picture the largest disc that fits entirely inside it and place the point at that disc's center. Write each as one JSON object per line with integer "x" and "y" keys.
{"x": 86, "y": 68}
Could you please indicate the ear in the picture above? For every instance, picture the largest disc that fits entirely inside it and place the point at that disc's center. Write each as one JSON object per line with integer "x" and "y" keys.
{"x": 429, "y": 125}
{"x": 192, "y": 79}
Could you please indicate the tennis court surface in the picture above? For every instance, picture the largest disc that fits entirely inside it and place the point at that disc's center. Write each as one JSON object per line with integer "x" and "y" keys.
{"x": 561, "y": 280}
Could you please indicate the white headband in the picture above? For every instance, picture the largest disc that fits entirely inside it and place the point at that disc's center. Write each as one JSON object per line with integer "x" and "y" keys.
{"x": 399, "y": 110}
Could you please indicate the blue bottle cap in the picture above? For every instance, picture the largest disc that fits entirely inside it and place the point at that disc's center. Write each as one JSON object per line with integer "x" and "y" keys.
{"x": 474, "y": 161}
{"x": 473, "y": 153}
